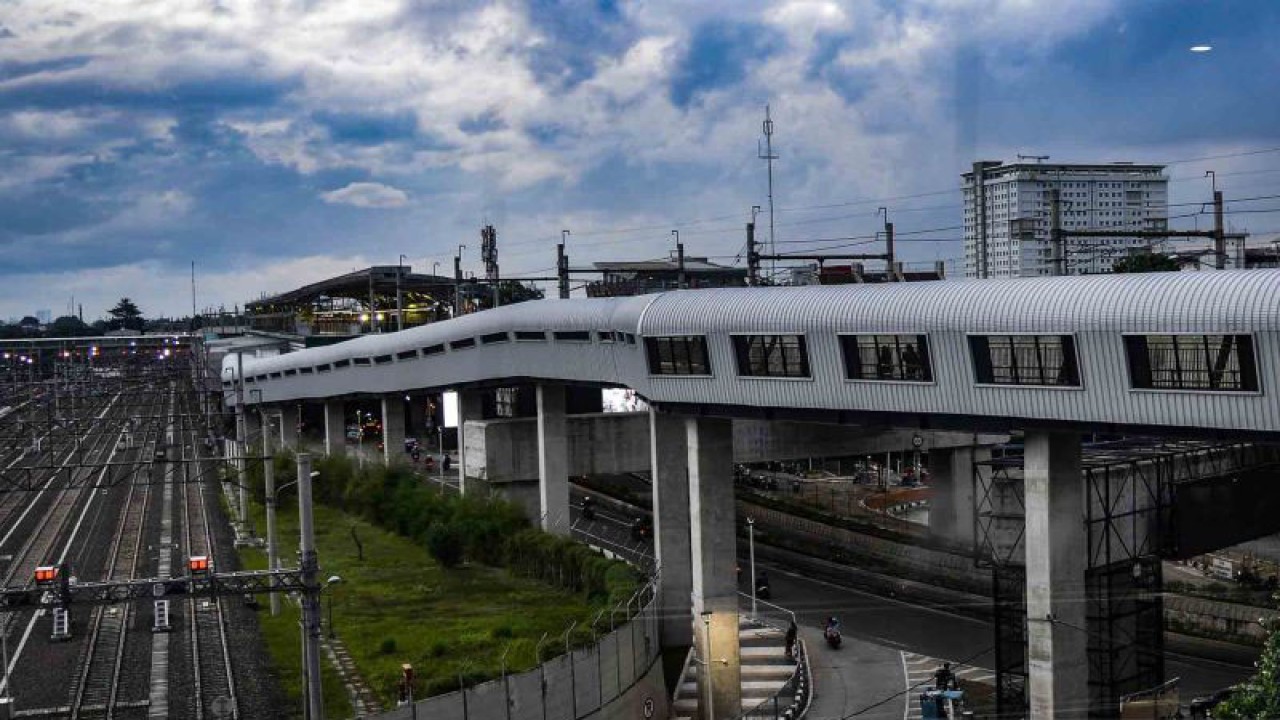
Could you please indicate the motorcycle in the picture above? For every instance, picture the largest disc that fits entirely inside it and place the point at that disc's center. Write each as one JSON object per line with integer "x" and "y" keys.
{"x": 832, "y": 636}
{"x": 763, "y": 590}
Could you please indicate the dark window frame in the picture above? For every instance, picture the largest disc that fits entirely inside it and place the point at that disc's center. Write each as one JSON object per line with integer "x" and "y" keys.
{"x": 1197, "y": 365}
{"x": 462, "y": 344}
{"x": 678, "y": 356}
{"x": 1026, "y": 354}
{"x": 606, "y": 336}
{"x": 290, "y": 372}
{"x": 407, "y": 355}
{"x": 531, "y": 336}
{"x": 362, "y": 361}
{"x": 324, "y": 368}
{"x": 574, "y": 336}
{"x": 756, "y": 355}
{"x": 495, "y": 338}
{"x": 886, "y": 358}
{"x": 275, "y": 375}
{"x": 381, "y": 359}
{"x": 430, "y": 350}
{"x": 306, "y": 370}
{"x": 338, "y": 364}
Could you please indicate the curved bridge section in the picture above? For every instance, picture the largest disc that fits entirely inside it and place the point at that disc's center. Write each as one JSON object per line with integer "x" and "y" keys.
{"x": 1156, "y": 352}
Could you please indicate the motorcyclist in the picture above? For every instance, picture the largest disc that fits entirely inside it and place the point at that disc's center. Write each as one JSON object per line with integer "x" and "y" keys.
{"x": 588, "y": 508}
{"x": 833, "y": 625}
{"x": 943, "y": 678}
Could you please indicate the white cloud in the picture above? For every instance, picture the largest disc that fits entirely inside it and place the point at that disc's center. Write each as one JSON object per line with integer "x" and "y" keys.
{"x": 367, "y": 195}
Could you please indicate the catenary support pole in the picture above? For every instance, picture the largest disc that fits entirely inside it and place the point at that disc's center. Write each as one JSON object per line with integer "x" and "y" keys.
{"x": 310, "y": 598}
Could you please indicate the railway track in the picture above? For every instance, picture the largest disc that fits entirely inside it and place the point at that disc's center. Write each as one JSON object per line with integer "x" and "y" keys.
{"x": 215, "y": 691}
{"x": 97, "y": 680}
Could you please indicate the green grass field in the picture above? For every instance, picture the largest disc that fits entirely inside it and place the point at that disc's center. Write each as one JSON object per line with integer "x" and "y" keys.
{"x": 398, "y": 605}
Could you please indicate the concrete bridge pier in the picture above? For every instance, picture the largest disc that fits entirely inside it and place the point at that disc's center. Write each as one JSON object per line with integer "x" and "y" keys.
{"x": 290, "y": 420}
{"x": 951, "y": 478}
{"x": 470, "y": 407}
{"x": 669, "y": 456}
{"x": 1056, "y": 552}
{"x": 553, "y": 460}
{"x": 393, "y": 420}
{"x": 713, "y": 551}
{"x": 335, "y": 428}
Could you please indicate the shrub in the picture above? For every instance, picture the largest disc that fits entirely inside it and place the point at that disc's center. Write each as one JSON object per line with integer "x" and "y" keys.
{"x": 388, "y": 646}
{"x": 444, "y": 542}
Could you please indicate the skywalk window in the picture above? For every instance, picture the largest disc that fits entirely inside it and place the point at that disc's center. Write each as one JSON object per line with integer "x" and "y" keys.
{"x": 381, "y": 359}
{"x": 337, "y": 364}
{"x": 407, "y": 355}
{"x": 433, "y": 349}
{"x": 463, "y": 343}
{"x": 362, "y": 361}
{"x": 290, "y": 373}
{"x": 491, "y": 338}
{"x": 572, "y": 335}
{"x": 779, "y": 356}
{"x": 531, "y": 336}
{"x": 1218, "y": 363}
{"x": 904, "y": 358}
{"x": 1048, "y": 360}
{"x": 678, "y": 355}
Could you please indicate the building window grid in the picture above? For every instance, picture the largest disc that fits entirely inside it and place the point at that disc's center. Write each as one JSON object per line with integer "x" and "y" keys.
{"x": 784, "y": 356}
{"x": 887, "y": 357}
{"x": 1223, "y": 363}
{"x": 1047, "y": 360}
{"x": 678, "y": 355}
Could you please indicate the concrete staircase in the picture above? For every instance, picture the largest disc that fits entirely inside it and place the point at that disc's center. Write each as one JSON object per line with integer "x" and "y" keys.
{"x": 765, "y": 669}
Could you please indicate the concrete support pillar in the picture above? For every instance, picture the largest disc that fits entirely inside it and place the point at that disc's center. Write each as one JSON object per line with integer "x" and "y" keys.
{"x": 951, "y": 479}
{"x": 714, "y": 556}
{"x": 416, "y": 422}
{"x": 553, "y": 459}
{"x": 290, "y": 419}
{"x": 335, "y": 428}
{"x": 669, "y": 458}
{"x": 470, "y": 407}
{"x": 393, "y": 427}
{"x": 252, "y": 425}
{"x": 1058, "y": 686}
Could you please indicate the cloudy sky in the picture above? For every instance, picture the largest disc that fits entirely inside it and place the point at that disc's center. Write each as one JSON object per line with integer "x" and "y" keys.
{"x": 279, "y": 142}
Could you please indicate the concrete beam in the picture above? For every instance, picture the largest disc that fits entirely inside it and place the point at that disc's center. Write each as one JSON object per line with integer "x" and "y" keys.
{"x": 669, "y": 459}
{"x": 714, "y": 556}
{"x": 553, "y": 461}
{"x": 1056, "y": 551}
{"x": 335, "y": 428}
{"x": 505, "y": 450}
{"x": 392, "y": 427}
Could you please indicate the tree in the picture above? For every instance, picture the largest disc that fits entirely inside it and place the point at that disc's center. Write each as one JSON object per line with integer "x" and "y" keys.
{"x": 126, "y": 315}
{"x": 1259, "y": 696}
{"x": 68, "y": 326}
{"x": 1144, "y": 263}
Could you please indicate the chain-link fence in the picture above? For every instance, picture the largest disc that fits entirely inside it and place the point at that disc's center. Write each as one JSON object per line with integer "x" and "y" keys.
{"x": 567, "y": 687}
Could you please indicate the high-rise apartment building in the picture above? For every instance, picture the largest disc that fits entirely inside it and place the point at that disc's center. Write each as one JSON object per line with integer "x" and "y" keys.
{"x": 1007, "y": 215}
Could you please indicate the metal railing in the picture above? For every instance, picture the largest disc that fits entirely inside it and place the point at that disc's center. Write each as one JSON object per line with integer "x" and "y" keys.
{"x": 791, "y": 701}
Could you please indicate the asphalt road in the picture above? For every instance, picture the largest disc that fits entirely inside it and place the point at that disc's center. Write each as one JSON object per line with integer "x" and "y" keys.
{"x": 858, "y": 679}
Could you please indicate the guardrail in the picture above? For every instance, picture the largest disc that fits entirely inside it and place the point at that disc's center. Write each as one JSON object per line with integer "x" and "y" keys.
{"x": 792, "y": 699}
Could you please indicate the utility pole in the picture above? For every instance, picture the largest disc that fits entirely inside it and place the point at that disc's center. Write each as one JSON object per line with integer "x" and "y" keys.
{"x": 753, "y": 256}
{"x": 373, "y": 310}
{"x": 891, "y": 267}
{"x": 768, "y": 156}
{"x": 680, "y": 279}
{"x": 399, "y": 305}
{"x": 457, "y": 281}
{"x": 269, "y": 483}
{"x": 489, "y": 256}
{"x": 1219, "y": 232}
{"x": 311, "y": 596}
{"x": 562, "y": 265}
{"x": 241, "y": 446}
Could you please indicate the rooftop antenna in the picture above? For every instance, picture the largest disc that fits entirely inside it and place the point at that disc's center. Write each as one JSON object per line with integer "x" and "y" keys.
{"x": 768, "y": 156}
{"x": 1038, "y": 158}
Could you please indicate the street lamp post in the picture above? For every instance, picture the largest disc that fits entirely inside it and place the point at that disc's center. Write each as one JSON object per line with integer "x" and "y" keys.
{"x": 399, "y": 308}
{"x": 333, "y": 580}
{"x": 6, "y": 696}
{"x": 706, "y": 665}
{"x": 751, "y": 545}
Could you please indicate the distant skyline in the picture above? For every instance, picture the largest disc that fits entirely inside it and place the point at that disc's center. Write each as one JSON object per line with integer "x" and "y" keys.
{"x": 275, "y": 144}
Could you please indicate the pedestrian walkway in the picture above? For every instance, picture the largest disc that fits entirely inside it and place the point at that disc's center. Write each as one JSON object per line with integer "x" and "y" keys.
{"x": 858, "y": 677}
{"x": 363, "y": 700}
{"x": 920, "y": 670}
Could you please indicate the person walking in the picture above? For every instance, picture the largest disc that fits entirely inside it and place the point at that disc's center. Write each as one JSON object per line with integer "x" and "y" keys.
{"x": 792, "y": 631}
